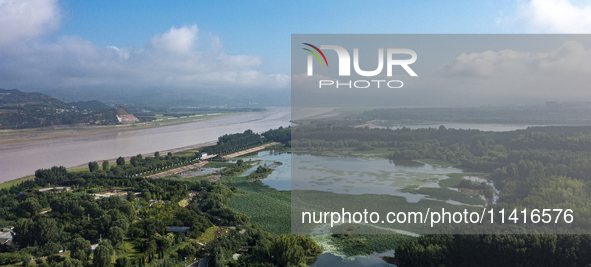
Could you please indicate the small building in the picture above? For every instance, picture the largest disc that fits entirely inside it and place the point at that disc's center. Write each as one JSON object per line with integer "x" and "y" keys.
{"x": 202, "y": 155}
{"x": 243, "y": 250}
{"x": 6, "y": 238}
{"x": 55, "y": 189}
{"x": 172, "y": 229}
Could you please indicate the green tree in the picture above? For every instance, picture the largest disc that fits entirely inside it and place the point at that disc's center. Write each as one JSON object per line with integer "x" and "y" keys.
{"x": 219, "y": 258}
{"x": 163, "y": 242}
{"x": 80, "y": 249}
{"x": 116, "y": 235}
{"x": 287, "y": 251}
{"x": 105, "y": 165}
{"x": 69, "y": 262}
{"x": 52, "y": 248}
{"x": 123, "y": 262}
{"x": 130, "y": 196}
{"x": 119, "y": 219}
{"x": 239, "y": 162}
{"x": 187, "y": 251}
{"x": 157, "y": 155}
{"x": 103, "y": 254}
{"x": 23, "y": 233}
{"x": 311, "y": 248}
{"x": 134, "y": 161}
{"x": 54, "y": 260}
{"x": 120, "y": 161}
{"x": 46, "y": 230}
{"x": 93, "y": 166}
{"x": 31, "y": 205}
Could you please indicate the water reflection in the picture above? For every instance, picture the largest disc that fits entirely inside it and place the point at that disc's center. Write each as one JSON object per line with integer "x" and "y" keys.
{"x": 352, "y": 175}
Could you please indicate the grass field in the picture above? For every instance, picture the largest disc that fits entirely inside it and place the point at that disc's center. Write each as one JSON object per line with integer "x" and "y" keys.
{"x": 354, "y": 245}
{"x": 17, "y": 181}
{"x": 455, "y": 178}
{"x": 183, "y": 203}
{"x": 160, "y": 119}
{"x": 268, "y": 209}
{"x": 447, "y": 194}
{"x": 208, "y": 235}
{"x": 128, "y": 250}
{"x": 184, "y": 154}
{"x": 188, "y": 178}
{"x": 217, "y": 164}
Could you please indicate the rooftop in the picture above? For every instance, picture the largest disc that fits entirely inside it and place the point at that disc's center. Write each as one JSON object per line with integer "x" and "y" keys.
{"x": 54, "y": 188}
{"x": 6, "y": 235}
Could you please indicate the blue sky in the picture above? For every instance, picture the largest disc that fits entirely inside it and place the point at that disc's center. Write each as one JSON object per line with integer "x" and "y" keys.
{"x": 47, "y": 44}
{"x": 263, "y": 28}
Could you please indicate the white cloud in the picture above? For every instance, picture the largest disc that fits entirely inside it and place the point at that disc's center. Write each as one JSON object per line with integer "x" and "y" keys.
{"x": 170, "y": 60}
{"x": 570, "y": 57}
{"x": 76, "y": 62}
{"x": 24, "y": 19}
{"x": 559, "y": 73}
{"x": 554, "y": 16}
{"x": 180, "y": 40}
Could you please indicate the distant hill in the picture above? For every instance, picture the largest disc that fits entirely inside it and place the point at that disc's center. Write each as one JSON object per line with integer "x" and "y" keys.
{"x": 150, "y": 98}
{"x": 20, "y": 110}
{"x": 15, "y": 99}
{"x": 89, "y": 105}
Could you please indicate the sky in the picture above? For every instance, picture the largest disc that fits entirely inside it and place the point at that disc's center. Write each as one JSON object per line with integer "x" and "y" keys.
{"x": 50, "y": 44}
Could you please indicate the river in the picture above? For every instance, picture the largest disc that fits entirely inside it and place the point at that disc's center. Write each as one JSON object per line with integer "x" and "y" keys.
{"x": 21, "y": 160}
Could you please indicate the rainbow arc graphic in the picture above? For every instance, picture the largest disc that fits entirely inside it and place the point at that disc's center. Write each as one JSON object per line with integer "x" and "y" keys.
{"x": 314, "y": 53}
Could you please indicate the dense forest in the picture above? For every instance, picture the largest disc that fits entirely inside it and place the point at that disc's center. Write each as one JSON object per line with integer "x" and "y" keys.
{"x": 76, "y": 220}
{"x": 495, "y": 250}
{"x": 282, "y": 135}
{"x": 551, "y": 113}
{"x": 233, "y": 142}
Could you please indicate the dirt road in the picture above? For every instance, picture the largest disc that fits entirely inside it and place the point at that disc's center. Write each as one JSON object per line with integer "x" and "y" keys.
{"x": 248, "y": 151}
{"x": 178, "y": 170}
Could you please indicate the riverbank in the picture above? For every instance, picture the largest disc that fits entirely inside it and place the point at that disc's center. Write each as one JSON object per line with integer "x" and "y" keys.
{"x": 10, "y": 183}
{"x": 19, "y": 137}
{"x": 248, "y": 151}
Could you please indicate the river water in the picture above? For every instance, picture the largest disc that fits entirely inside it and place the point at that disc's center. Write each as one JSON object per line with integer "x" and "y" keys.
{"x": 21, "y": 160}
